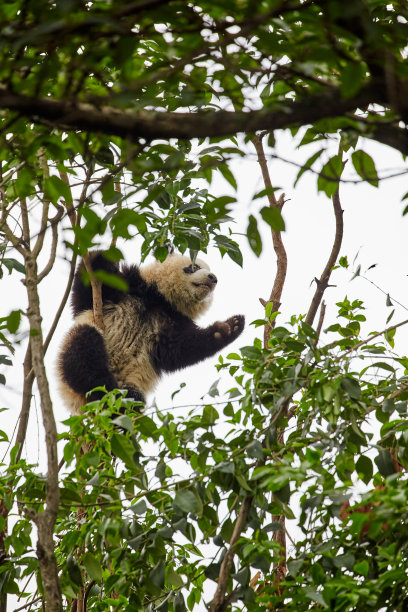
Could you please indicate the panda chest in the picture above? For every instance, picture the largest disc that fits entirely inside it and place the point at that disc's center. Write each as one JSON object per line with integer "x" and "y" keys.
{"x": 130, "y": 334}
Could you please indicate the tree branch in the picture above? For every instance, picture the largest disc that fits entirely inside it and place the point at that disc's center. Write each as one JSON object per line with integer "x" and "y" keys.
{"x": 45, "y": 208}
{"x": 54, "y": 226}
{"x": 281, "y": 257}
{"x": 96, "y": 293}
{"x": 218, "y": 603}
{"x": 323, "y": 282}
{"x": 275, "y": 298}
{"x": 45, "y": 520}
{"x": 70, "y": 116}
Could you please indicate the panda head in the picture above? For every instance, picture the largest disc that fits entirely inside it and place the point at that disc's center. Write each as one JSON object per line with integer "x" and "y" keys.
{"x": 186, "y": 285}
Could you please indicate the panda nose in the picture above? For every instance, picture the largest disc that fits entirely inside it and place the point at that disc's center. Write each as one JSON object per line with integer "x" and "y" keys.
{"x": 213, "y": 278}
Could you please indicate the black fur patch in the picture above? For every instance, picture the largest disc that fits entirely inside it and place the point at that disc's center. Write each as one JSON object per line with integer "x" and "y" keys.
{"x": 184, "y": 344}
{"x": 84, "y": 361}
{"x": 82, "y": 294}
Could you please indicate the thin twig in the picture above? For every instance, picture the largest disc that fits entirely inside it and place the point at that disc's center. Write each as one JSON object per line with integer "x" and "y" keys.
{"x": 54, "y": 225}
{"x": 62, "y": 303}
{"x": 370, "y": 338}
{"x": 29, "y": 603}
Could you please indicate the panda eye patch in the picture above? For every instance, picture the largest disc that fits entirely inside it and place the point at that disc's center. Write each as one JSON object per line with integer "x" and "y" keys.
{"x": 191, "y": 268}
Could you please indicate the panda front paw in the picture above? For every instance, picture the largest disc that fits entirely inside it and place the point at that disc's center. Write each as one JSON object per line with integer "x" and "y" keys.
{"x": 230, "y": 329}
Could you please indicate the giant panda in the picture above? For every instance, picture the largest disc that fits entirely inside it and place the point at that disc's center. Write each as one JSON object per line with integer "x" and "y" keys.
{"x": 148, "y": 329}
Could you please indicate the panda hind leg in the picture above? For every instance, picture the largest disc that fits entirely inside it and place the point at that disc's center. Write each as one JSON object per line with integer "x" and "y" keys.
{"x": 84, "y": 362}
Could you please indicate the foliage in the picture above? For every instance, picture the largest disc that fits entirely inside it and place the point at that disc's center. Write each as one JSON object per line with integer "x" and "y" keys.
{"x": 115, "y": 118}
{"x": 139, "y": 535}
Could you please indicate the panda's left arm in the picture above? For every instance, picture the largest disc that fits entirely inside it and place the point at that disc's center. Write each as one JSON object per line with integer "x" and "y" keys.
{"x": 183, "y": 345}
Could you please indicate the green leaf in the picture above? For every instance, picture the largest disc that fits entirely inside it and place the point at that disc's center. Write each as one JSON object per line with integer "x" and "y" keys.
{"x": 12, "y": 264}
{"x": 265, "y": 192}
{"x": 385, "y": 463}
{"x": 125, "y": 217}
{"x": 179, "y": 604}
{"x": 307, "y": 165}
{"x": 146, "y": 426}
{"x": 255, "y": 450}
{"x": 351, "y": 78}
{"x": 13, "y": 321}
{"x": 254, "y": 238}
{"x": 365, "y": 167}
{"x": 111, "y": 280}
{"x": 188, "y": 501}
{"x": 364, "y": 468}
{"x": 123, "y": 448}
{"x": 272, "y": 216}
{"x": 361, "y": 568}
{"x": 55, "y": 188}
{"x": 124, "y": 421}
{"x": 227, "y": 174}
{"x": 74, "y": 571}
{"x": 328, "y": 180}
{"x": 139, "y": 508}
{"x": 351, "y": 386}
{"x": 92, "y": 567}
{"x": 157, "y": 574}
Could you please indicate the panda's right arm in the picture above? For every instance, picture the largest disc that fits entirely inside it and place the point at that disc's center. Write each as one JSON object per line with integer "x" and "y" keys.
{"x": 187, "y": 344}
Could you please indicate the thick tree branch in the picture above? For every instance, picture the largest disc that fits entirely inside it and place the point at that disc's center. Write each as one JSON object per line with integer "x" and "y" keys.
{"x": 45, "y": 520}
{"x": 69, "y": 116}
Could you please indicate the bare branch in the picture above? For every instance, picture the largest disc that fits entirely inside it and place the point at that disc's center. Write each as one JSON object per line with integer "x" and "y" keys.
{"x": 281, "y": 257}
{"x": 54, "y": 226}
{"x": 26, "y": 401}
{"x": 25, "y": 222}
{"x": 63, "y": 302}
{"x": 218, "y": 603}
{"x": 96, "y": 293}
{"x": 323, "y": 282}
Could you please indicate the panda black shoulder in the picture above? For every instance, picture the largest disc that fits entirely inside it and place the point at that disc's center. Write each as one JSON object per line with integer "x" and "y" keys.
{"x": 81, "y": 298}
